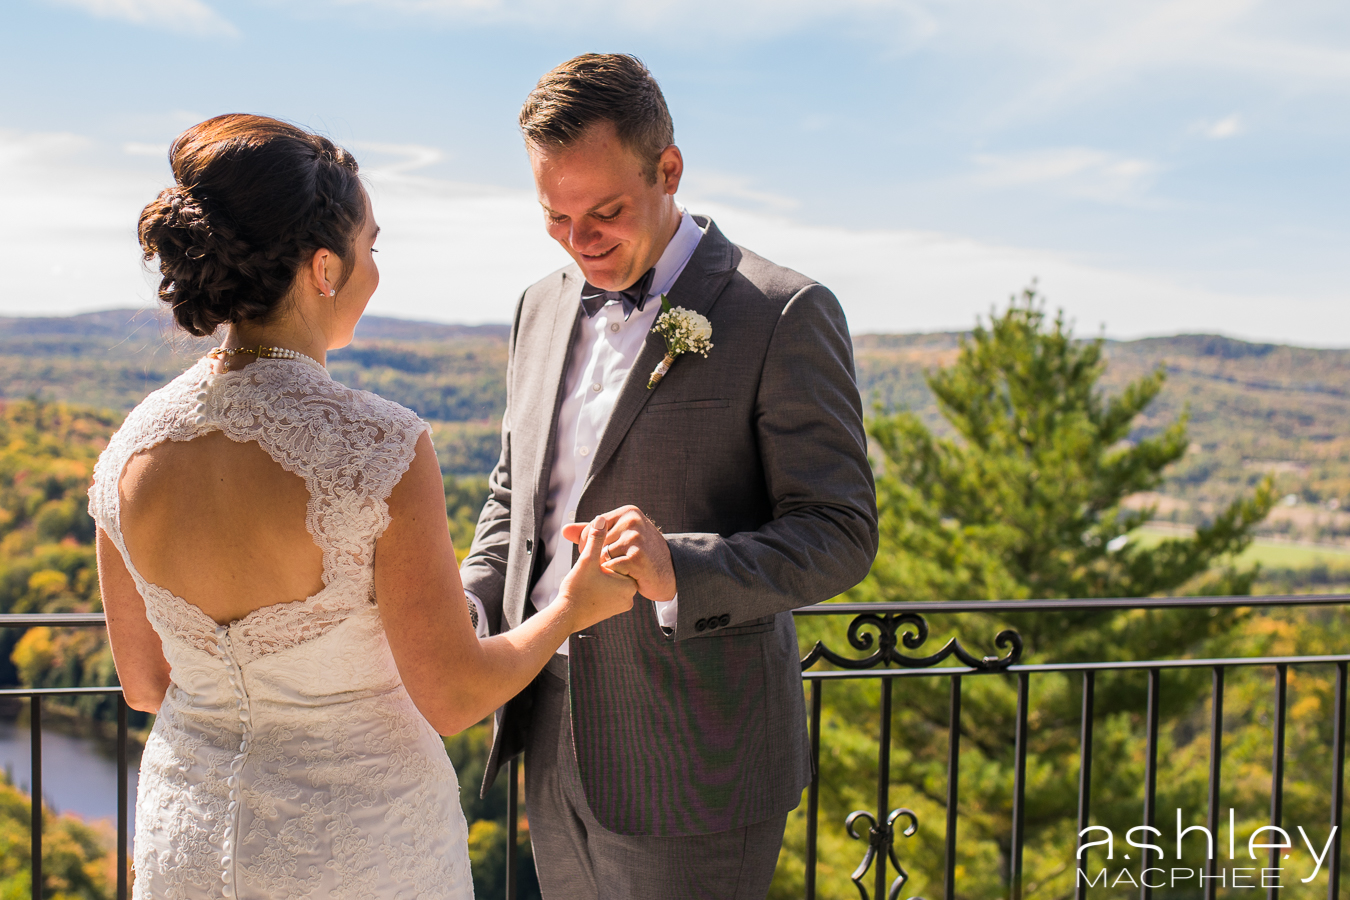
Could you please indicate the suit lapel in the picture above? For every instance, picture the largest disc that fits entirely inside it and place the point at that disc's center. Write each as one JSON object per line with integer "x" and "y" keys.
{"x": 539, "y": 426}
{"x": 697, "y": 289}
{"x": 566, "y": 311}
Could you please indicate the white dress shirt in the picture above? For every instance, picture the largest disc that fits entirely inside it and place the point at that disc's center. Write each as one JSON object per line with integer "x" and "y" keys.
{"x": 602, "y": 356}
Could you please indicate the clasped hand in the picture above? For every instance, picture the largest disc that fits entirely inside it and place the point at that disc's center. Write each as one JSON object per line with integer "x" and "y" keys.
{"x": 633, "y": 546}
{"x": 594, "y": 592}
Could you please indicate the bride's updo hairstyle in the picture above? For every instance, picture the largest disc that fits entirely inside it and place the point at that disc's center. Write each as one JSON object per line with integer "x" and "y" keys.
{"x": 254, "y": 198}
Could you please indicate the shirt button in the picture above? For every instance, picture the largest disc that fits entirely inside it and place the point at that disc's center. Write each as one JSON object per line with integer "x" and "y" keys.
{"x": 597, "y": 387}
{"x": 583, "y": 450}
{"x": 614, "y": 327}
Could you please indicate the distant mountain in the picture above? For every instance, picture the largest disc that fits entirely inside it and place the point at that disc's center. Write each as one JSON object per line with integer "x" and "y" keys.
{"x": 128, "y": 323}
{"x": 1254, "y": 408}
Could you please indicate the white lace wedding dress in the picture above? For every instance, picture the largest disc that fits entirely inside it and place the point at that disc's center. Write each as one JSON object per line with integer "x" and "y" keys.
{"x": 287, "y": 759}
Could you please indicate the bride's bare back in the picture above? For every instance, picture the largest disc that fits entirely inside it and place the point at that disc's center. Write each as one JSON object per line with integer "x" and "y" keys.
{"x": 220, "y": 524}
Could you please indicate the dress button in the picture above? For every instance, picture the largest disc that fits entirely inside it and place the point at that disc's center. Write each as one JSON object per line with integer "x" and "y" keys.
{"x": 614, "y": 327}
{"x": 583, "y": 451}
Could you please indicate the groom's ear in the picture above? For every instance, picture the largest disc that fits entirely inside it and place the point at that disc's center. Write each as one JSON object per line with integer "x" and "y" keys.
{"x": 670, "y": 169}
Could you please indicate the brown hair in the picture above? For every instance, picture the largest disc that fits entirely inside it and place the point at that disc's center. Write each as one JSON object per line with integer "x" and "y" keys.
{"x": 600, "y": 87}
{"x": 254, "y": 198}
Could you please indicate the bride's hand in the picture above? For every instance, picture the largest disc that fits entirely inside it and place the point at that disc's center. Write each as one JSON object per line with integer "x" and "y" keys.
{"x": 591, "y": 593}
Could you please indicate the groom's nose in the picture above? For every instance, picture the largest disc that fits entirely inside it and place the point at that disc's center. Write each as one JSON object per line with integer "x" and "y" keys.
{"x": 583, "y": 236}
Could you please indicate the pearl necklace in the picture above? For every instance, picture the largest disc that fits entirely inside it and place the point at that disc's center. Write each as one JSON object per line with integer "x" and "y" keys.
{"x": 224, "y": 353}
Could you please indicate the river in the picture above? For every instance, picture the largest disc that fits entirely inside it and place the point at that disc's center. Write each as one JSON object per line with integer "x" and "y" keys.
{"x": 79, "y": 775}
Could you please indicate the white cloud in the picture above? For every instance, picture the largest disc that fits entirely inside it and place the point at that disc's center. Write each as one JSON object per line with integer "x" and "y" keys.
{"x": 734, "y": 188}
{"x": 462, "y": 253}
{"x": 1074, "y": 51}
{"x": 1076, "y": 47}
{"x": 408, "y": 158}
{"x": 68, "y": 236}
{"x": 1222, "y": 129}
{"x": 137, "y": 148}
{"x": 1075, "y": 171}
{"x": 459, "y": 253}
{"x": 184, "y": 16}
{"x": 735, "y": 21}
{"x": 904, "y": 281}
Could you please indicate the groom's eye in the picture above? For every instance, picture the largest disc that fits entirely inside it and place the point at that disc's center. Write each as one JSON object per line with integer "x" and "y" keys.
{"x": 606, "y": 217}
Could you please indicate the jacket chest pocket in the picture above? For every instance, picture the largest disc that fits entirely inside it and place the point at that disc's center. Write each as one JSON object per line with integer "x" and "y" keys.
{"x": 657, "y": 409}
{"x": 683, "y": 428}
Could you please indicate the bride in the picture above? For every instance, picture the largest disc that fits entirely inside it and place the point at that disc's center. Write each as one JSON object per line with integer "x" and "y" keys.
{"x": 275, "y": 564}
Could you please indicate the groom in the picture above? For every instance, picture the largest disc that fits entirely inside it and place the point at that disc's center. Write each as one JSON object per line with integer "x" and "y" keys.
{"x": 664, "y": 747}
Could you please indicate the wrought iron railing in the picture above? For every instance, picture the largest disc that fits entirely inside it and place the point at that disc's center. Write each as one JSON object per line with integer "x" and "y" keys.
{"x": 897, "y": 625}
{"x": 35, "y": 697}
{"x": 880, "y": 633}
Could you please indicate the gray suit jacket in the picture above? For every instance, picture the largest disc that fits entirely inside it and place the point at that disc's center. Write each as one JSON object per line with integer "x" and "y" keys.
{"x": 753, "y": 462}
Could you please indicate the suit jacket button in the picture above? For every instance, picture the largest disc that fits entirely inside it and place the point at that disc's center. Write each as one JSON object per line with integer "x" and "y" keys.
{"x": 701, "y": 625}
{"x": 724, "y": 620}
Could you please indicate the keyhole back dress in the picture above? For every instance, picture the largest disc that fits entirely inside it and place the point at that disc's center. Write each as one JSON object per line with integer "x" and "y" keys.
{"x": 287, "y": 759}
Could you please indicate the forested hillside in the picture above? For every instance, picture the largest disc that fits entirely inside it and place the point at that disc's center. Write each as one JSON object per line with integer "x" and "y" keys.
{"x": 1254, "y": 409}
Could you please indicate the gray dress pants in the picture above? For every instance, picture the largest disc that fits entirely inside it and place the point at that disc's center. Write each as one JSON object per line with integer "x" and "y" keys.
{"x": 578, "y": 859}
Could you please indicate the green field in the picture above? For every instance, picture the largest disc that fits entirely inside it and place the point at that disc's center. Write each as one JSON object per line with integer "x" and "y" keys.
{"x": 1270, "y": 554}
{"x": 1286, "y": 567}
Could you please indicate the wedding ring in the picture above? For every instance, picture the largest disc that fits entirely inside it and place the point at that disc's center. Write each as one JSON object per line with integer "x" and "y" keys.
{"x": 604, "y": 553}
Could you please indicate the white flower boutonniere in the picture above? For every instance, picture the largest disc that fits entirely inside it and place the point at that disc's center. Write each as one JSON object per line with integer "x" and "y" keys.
{"x": 685, "y": 331}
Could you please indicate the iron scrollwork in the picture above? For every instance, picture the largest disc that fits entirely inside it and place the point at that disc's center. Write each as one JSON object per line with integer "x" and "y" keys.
{"x": 912, "y": 631}
{"x": 881, "y": 839}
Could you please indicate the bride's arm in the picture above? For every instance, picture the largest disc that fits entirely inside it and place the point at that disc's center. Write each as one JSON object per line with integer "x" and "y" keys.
{"x": 455, "y": 678}
{"x": 137, "y": 650}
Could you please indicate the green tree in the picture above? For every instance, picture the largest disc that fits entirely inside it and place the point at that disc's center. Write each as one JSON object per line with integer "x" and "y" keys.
{"x": 1027, "y": 498}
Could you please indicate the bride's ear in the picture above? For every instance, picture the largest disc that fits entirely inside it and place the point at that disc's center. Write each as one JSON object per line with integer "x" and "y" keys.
{"x": 322, "y": 273}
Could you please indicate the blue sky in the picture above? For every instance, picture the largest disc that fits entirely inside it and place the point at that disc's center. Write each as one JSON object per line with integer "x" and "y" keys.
{"x": 1160, "y": 165}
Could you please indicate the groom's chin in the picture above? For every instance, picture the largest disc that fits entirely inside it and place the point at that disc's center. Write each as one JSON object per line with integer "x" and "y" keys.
{"x": 608, "y": 273}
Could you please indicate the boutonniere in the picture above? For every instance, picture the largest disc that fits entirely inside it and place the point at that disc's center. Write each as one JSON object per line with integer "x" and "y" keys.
{"x": 685, "y": 331}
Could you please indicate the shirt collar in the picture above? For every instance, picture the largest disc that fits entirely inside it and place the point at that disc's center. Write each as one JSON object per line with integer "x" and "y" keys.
{"x": 676, "y": 255}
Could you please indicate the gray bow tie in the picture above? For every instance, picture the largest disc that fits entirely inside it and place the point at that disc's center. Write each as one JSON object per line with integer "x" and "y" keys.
{"x": 633, "y": 296}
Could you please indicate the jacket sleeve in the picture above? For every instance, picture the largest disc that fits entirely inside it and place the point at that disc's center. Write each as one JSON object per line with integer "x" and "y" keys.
{"x": 813, "y": 450}
{"x": 484, "y": 569}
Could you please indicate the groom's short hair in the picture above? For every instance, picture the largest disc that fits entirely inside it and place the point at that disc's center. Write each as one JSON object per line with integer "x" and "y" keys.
{"x": 600, "y": 87}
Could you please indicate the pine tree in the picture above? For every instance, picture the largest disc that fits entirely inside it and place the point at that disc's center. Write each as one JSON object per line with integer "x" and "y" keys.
{"x": 1026, "y": 499}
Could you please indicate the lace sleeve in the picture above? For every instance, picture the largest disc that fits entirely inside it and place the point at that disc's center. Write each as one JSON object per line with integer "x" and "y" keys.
{"x": 388, "y": 458}
{"x": 160, "y": 416}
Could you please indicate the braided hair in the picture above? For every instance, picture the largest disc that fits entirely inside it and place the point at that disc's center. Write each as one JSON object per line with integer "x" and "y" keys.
{"x": 253, "y": 199}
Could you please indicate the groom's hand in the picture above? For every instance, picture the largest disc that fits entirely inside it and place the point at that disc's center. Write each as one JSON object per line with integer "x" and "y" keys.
{"x": 635, "y": 547}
